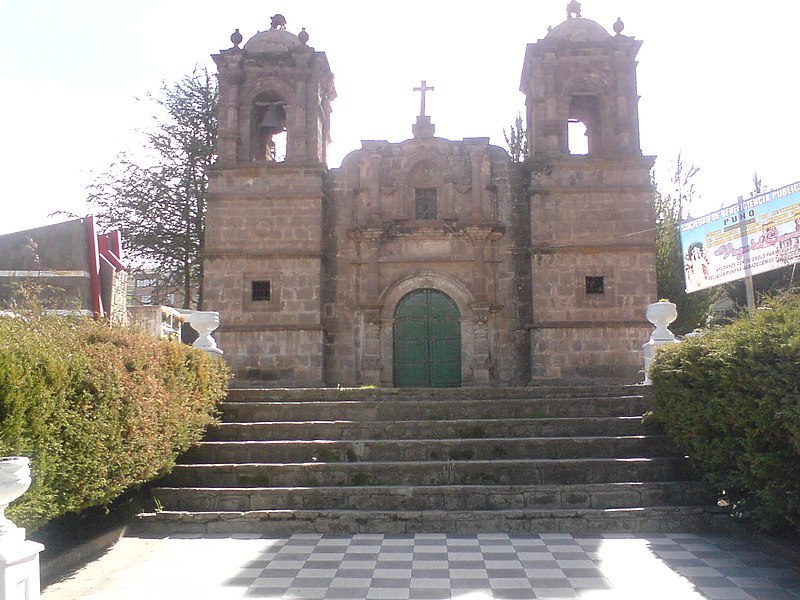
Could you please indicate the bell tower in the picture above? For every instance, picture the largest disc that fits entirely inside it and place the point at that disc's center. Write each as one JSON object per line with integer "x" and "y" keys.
{"x": 276, "y": 86}
{"x": 264, "y": 226}
{"x": 579, "y": 74}
{"x": 592, "y": 221}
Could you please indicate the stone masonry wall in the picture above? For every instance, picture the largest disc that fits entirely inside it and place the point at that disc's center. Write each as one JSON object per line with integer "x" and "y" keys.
{"x": 289, "y": 356}
{"x": 575, "y": 354}
{"x": 591, "y": 218}
{"x": 265, "y": 225}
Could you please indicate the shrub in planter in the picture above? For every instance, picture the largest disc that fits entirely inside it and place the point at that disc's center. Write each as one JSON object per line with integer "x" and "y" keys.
{"x": 98, "y": 409}
{"x": 731, "y": 402}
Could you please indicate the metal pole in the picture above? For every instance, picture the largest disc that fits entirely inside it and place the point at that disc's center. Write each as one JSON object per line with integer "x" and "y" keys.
{"x": 748, "y": 279}
{"x": 751, "y": 295}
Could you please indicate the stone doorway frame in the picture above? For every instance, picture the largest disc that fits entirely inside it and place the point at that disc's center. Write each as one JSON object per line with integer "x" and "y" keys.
{"x": 379, "y": 329}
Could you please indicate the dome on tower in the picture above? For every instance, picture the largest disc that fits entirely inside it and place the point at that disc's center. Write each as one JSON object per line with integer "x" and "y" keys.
{"x": 578, "y": 30}
{"x": 272, "y": 40}
{"x": 275, "y": 39}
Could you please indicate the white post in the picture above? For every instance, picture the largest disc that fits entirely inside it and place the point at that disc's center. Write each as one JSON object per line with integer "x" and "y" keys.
{"x": 660, "y": 314}
{"x": 204, "y": 322}
{"x": 19, "y": 558}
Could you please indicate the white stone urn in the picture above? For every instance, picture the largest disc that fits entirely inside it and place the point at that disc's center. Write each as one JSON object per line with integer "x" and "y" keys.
{"x": 660, "y": 314}
{"x": 19, "y": 558}
{"x": 204, "y": 322}
{"x": 15, "y": 479}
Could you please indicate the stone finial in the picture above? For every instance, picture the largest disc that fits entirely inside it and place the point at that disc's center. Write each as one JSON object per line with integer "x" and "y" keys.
{"x": 278, "y": 21}
{"x": 236, "y": 38}
{"x": 573, "y": 8}
{"x": 618, "y": 26}
{"x": 303, "y": 36}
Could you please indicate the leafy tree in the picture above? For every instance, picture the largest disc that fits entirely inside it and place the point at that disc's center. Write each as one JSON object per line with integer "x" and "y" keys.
{"x": 159, "y": 203}
{"x": 515, "y": 140}
{"x": 670, "y": 210}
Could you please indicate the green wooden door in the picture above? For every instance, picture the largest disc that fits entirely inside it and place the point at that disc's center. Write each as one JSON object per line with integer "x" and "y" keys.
{"x": 427, "y": 341}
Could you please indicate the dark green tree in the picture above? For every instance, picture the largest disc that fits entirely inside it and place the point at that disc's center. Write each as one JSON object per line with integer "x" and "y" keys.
{"x": 670, "y": 209}
{"x": 159, "y": 202}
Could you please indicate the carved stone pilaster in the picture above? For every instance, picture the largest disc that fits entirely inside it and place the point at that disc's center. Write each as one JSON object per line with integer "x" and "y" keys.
{"x": 372, "y": 281}
{"x": 481, "y": 365}
{"x": 371, "y": 362}
{"x": 478, "y": 237}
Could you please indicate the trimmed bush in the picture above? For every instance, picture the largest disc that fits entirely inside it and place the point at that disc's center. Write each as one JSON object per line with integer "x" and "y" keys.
{"x": 731, "y": 402}
{"x": 99, "y": 409}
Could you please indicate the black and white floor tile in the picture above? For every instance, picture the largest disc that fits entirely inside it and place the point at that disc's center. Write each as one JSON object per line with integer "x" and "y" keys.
{"x": 436, "y": 566}
{"x": 501, "y": 566}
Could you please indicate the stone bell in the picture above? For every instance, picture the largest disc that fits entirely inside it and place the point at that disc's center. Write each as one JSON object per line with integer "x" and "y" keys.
{"x": 274, "y": 120}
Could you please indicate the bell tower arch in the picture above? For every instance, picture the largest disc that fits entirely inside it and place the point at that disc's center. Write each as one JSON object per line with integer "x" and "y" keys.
{"x": 592, "y": 221}
{"x": 263, "y": 258}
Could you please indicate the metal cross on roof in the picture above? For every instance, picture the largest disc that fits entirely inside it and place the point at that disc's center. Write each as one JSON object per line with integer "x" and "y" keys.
{"x": 422, "y": 89}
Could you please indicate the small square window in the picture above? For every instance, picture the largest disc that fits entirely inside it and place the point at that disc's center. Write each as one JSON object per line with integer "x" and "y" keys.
{"x": 595, "y": 285}
{"x": 261, "y": 291}
{"x": 425, "y": 204}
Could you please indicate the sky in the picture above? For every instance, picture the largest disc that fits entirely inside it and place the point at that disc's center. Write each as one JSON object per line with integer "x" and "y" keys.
{"x": 717, "y": 81}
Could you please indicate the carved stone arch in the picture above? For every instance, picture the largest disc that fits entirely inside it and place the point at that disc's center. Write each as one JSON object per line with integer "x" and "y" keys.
{"x": 587, "y": 84}
{"x": 460, "y": 295}
{"x": 395, "y": 292}
{"x": 284, "y": 89}
{"x": 425, "y": 171}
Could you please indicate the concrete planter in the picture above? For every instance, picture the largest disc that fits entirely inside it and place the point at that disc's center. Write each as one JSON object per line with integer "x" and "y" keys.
{"x": 205, "y": 322}
{"x": 19, "y": 558}
{"x": 660, "y": 314}
{"x": 15, "y": 479}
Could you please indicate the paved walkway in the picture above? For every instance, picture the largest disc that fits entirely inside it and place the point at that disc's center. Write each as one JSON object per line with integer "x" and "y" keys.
{"x": 436, "y": 566}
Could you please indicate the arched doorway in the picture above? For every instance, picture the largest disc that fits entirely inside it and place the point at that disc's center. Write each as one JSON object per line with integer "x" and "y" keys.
{"x": 427, "y": 341}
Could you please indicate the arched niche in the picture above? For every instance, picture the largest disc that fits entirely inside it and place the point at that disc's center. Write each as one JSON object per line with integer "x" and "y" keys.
{"x": 424, "y": 178}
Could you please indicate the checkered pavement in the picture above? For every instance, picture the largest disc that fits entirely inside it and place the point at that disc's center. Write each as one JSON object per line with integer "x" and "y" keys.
{"x": 501, "y": 566}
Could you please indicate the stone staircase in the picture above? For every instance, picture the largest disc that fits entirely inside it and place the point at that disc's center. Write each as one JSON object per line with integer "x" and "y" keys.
{"x": 539, "y": 459}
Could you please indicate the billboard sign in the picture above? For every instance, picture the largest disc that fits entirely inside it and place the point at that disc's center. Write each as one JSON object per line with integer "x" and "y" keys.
{"x": 752, "y": 236}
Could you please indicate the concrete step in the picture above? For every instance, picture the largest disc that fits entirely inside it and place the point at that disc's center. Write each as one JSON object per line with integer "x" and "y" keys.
{"x": 339, "y": 394}
{"x": 657, "y": 519}
{"x": 451, "y": 429}
{"x": 476, "y": 472}
{"x": 304, "y": 395}
{"x": 331, "y": 451}
{"x": 537, "y": 459}
{"x": 434, "y": 410}
{"x": 444, "y": 497}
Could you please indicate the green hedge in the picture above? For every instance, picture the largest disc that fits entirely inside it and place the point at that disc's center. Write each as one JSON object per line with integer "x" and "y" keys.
{"x": 731, "y": 402}
{"x": 98, "y": 409}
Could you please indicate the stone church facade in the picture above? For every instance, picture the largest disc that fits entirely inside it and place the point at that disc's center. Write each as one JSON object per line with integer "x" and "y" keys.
{"x": 431, "y": 262}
